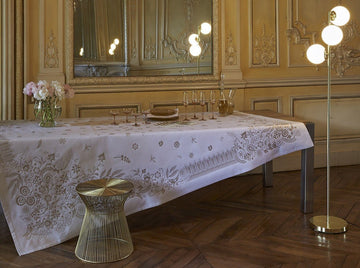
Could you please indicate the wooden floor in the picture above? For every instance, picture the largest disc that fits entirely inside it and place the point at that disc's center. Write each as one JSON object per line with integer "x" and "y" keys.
{"x": 234, "y": 223}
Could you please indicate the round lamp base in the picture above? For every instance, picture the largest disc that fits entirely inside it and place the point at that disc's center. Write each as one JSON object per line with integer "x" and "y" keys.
{"x": 328, "y": 224}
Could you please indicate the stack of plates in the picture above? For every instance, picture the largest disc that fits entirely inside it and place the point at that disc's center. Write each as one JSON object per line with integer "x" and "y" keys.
{"x": 161, "y": 113}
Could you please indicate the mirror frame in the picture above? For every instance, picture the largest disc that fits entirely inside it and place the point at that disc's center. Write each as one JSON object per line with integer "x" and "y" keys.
{"x": 125, "y": 82}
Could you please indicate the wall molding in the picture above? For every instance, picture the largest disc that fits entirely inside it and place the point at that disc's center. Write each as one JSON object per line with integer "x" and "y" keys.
{"x": 80, "y": 108}
{"x": 277, "y": 101}
{"x": 293, "y": 99}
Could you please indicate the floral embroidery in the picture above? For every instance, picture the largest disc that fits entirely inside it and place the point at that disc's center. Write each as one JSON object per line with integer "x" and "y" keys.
{"x": 123, "y": 158}
{"x": 154, "y": 183}
{"x": 135, "y": 146}
{"x": 176, "y": 144}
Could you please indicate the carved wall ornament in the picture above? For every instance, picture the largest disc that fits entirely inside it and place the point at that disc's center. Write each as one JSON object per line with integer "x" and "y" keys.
{"x": 230, "y": 51}
{"x": 52, "y": 53}
{"x": 150, "y": 52}
{"x": 177, "y": 48}
{"x": 299, "y": 34}
{"x": 264, "y": 49}
{"x": 343, "y": 57}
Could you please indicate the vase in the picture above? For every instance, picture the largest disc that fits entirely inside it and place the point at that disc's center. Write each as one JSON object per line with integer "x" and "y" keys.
{"x": 231, "y": 104}
{"x": 223, "y": 104}
{"x": 47, "y": 111}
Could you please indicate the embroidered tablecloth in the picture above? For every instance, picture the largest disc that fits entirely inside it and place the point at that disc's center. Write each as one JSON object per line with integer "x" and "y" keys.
{"x": 40, "y": 167}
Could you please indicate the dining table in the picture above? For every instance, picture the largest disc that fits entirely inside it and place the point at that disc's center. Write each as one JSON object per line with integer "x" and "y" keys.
{"x": 163, "y": 159}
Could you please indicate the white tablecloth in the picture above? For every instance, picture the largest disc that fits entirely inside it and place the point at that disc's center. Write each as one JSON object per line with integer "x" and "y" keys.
{"x": 40, "y": 167}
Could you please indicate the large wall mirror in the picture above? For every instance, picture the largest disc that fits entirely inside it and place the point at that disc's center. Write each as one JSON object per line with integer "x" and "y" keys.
{"x": 130, "y": 41}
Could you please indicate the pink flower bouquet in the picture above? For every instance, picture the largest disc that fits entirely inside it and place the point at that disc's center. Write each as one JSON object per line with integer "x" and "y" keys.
{"x": 47, "y": 97}
{"x": 43, "y": 90}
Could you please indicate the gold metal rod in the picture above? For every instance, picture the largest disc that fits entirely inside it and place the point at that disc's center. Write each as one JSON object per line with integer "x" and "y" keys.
{"x": 328, "y": 136}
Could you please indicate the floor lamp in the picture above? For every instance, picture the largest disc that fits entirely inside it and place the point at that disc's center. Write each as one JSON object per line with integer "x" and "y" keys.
{"x": 332, "y": 35}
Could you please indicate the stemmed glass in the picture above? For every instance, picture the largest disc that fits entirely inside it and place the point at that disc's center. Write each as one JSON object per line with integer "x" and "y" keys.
{"x": 202, "y": 104}
{"x": 145, "y": 113}
{"x": 136, "y": 115}
{"x": 127, "y": 112}
{"x": 186, "y": 103}
{"x": 114, "y": 113}
{"x": 194, "y": 102}
{"x": 212, "y": 102}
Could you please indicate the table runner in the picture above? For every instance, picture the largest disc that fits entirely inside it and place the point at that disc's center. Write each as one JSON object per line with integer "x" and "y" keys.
{"x": 40, "y": 167}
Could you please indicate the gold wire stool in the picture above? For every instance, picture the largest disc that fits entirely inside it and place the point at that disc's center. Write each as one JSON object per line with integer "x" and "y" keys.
{"x": 104, "y": 234}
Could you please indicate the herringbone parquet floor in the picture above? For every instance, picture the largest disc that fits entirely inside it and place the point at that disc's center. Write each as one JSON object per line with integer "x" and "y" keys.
{"x": 233, "y": 223}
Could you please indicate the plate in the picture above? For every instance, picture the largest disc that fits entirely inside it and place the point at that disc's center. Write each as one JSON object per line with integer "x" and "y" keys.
{"x": 163, "y": 114}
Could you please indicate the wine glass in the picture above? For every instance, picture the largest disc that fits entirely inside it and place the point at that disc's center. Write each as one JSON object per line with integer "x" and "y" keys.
{"x": 202, "y": 104}
{"x": 194, "y": 100}
{"x": 127, "y": 112}
{"x": 185, "y": 103}
{"x": 212, "y": 102}
{"x": 114, "y": 113}
{"x": 136, "y": 115}
{"x": 145, "y": 114}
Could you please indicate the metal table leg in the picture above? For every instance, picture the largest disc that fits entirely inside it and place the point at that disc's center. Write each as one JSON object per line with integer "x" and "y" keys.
{"x": 307, "y": 173}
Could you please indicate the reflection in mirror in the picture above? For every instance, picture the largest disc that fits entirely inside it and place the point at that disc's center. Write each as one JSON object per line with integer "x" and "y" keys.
{"x": 141, "y": 37}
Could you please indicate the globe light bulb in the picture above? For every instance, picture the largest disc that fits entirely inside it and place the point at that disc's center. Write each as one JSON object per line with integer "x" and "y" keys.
{"x": 316, "y": 54}
{"x": 205, "y": 28}
{"x": 111, "y": 52}
{"x": 112, "y": 46}
{"x": 195, "y": 50}
{"x": 332, "y": 35}
{"x": 116, "y": 41}
{"x": 194, "y": 39}
{"x": 342, "y": 15}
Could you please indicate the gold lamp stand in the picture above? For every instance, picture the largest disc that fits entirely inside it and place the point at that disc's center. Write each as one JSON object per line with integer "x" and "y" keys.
{"x": 331, "y": 35}
{"x": 327, "y": 223}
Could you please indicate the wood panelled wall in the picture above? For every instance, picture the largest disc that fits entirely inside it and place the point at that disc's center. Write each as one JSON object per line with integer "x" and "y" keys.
{"x": 262, "y": 46}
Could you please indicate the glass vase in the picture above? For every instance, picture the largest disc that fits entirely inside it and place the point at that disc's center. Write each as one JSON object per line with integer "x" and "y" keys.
{"x": 223, "y": 104}
{"x": 231, "y": 104}
{"x": 47, "y": 111}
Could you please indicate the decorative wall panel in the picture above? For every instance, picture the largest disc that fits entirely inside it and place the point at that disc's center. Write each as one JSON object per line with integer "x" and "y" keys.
{"x": 230, "y": 41}
{"x": 343, "y": 110}
{"x": 264, "y": 33}
{"x": 273, "y": 104}
{"x": 50, "y": 40}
